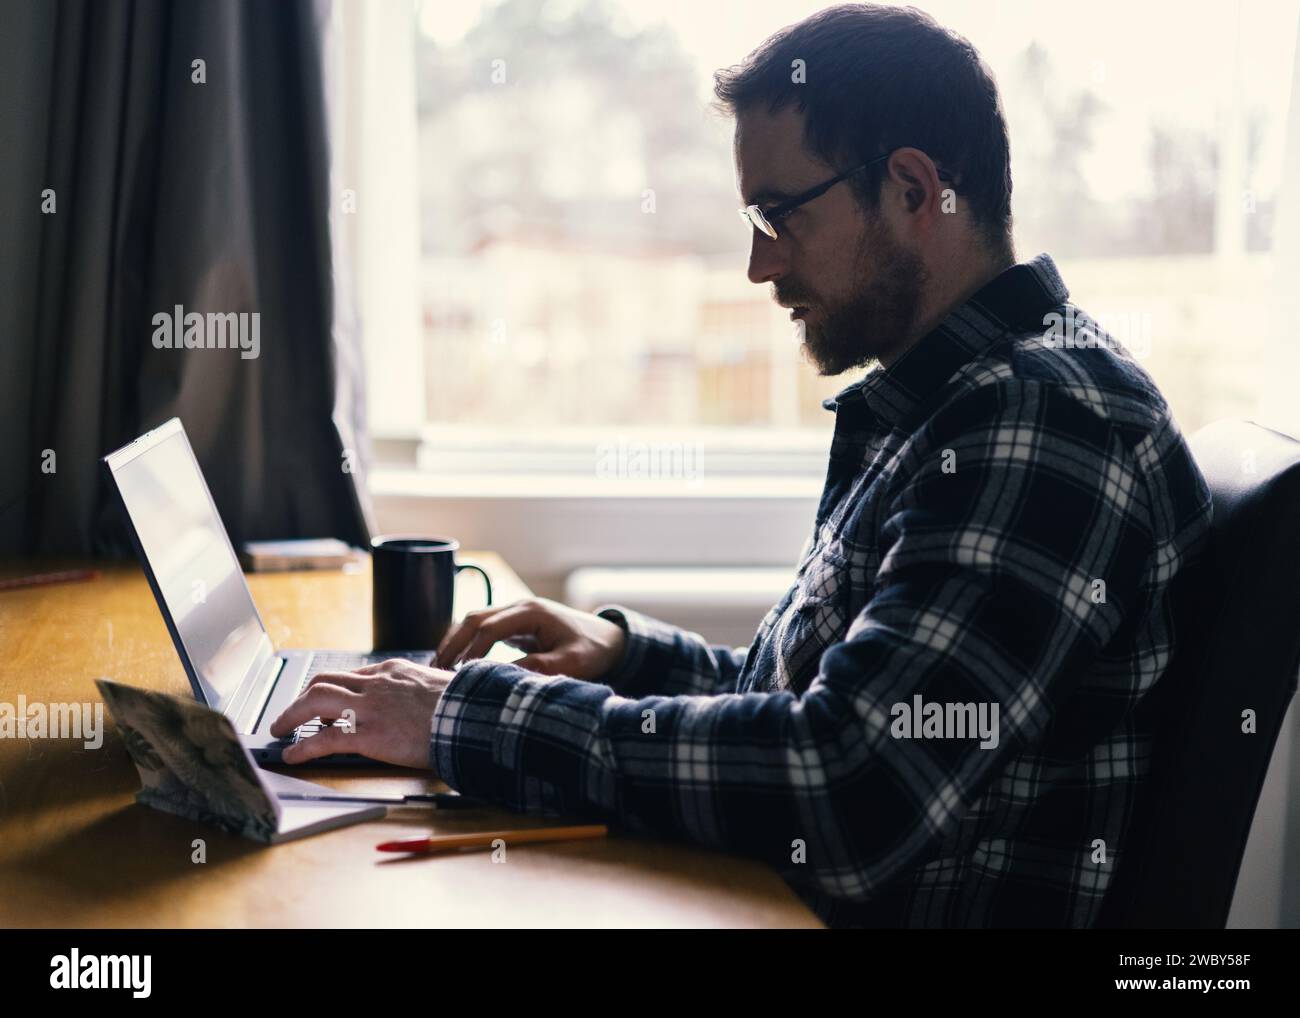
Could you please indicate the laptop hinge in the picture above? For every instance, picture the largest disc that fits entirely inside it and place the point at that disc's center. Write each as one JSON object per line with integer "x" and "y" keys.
{"x": 259, "y": 694}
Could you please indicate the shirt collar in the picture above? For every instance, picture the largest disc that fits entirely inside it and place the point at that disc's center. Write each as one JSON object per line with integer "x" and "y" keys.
{"x": 1016, "y": 297}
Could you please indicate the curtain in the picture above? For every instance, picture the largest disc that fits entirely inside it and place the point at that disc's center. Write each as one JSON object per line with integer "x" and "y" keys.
{"x": 166, "y": 179}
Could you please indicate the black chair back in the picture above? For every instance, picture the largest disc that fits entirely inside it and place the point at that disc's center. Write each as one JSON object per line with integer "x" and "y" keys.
{"x": 1240, "y": 654}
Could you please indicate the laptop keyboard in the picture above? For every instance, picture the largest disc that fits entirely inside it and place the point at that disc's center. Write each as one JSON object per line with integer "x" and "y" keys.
{"x": 347, "y": 661}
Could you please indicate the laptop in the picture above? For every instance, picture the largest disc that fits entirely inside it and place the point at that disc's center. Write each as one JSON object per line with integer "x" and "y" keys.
{"x": 196, "y": 579}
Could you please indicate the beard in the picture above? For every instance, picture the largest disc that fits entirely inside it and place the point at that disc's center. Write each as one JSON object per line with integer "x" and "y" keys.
{"x": 855, "y": 332}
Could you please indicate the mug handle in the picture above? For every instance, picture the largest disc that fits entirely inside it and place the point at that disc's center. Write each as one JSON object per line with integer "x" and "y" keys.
{"x": 486, "y": 582}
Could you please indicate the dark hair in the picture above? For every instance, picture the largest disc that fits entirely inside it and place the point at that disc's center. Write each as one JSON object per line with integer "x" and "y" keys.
{"x": 880, "y": 78}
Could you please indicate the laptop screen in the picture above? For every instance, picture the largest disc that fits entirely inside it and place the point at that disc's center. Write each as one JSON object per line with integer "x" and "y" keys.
{"x": 194, "y": 567}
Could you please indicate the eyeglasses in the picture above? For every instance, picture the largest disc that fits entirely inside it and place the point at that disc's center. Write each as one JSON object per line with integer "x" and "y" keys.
{"x": 762, "y": 221}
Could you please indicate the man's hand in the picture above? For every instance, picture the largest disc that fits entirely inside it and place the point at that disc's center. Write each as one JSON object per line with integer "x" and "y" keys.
{"x": 391, "y": 705}
{"x": 559, "y": 640}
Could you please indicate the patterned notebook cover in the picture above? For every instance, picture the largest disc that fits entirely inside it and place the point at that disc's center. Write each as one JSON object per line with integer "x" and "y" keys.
{"x": 191, "y": 761}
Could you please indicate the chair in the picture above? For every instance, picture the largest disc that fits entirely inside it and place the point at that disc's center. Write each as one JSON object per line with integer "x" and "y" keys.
{"x": 1241, "y": 651}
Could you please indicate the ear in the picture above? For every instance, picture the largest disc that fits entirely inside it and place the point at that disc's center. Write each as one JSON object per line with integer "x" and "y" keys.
{"x": 917, "y": 184}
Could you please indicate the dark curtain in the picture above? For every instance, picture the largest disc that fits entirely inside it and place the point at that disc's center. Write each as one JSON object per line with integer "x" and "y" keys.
{"x": 212, "y": 195}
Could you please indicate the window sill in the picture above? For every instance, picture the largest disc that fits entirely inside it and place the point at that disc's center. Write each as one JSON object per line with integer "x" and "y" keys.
{"x": 547, "y": 525}
{"x": 391, "y": 482}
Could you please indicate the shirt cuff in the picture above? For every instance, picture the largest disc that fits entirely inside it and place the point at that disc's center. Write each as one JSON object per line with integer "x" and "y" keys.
{"x": 644, "y": 637}
{"x": 462, "y": 747}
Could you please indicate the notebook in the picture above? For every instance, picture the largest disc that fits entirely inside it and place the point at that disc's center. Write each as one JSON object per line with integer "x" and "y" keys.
{"x": 193, "y": 764}
{"x": 313, "y": 553}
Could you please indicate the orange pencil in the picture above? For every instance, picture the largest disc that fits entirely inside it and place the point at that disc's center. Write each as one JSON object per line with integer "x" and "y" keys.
{"x": 447, "y": 842}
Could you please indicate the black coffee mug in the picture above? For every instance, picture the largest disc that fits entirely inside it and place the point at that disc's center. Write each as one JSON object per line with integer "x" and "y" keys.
{"x": 414, "y": 590}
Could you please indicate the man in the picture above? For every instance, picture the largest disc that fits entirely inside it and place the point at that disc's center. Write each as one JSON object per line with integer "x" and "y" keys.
{"x": 936, "y": 725}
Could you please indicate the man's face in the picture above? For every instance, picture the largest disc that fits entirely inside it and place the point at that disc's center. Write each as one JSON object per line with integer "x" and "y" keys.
{"x": 841, "y": 270}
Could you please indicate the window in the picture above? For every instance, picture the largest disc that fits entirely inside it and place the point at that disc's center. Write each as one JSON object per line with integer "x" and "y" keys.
{"x": 579, "y": 269}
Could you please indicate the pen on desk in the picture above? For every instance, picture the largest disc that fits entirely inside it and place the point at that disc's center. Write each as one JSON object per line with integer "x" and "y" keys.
{"x": 440, "y": 800}
{"x": 44, "y": 579}
{"x": 484, "y": 839}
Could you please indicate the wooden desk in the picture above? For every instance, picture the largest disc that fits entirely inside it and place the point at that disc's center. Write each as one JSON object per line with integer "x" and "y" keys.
{"x": 76, "y": 850}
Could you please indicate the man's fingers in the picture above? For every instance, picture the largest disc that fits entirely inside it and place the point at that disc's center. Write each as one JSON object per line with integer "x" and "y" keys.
{"x": 459, "y": 635}
{"x": 455, "y": 638}
{"x": 354, "y": 681}
{"x": 380, "y": 667}
{"x": 325, "y": 742}
{"x": 451, "y": 639}
{"x": 514, "y": 621}
{"x": 319, "y": 701}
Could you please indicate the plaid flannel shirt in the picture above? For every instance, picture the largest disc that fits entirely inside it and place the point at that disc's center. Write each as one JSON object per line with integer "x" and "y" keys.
{"x": 1003, "y": 512}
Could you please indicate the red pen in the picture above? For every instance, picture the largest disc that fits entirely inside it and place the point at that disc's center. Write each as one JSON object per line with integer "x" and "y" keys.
{"x": 484, "y": 839}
